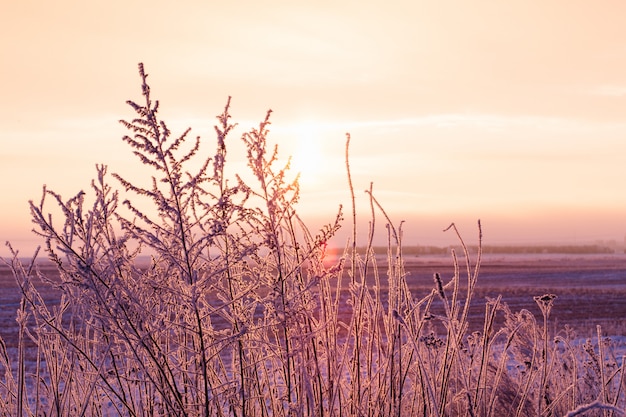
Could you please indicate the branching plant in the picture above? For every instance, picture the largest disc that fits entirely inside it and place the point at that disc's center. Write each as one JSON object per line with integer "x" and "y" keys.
{"x": 194, "y": 292}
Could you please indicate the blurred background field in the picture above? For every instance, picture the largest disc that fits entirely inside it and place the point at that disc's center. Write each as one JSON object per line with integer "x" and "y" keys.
{"x": 590, "y": 287}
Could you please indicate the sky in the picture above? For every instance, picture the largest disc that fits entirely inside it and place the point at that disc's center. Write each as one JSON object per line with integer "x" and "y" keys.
{"x": 510, "y": 112}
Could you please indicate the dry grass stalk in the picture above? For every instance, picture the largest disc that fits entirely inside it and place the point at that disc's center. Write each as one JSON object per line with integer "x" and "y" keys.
{"x": 239, "y": 312}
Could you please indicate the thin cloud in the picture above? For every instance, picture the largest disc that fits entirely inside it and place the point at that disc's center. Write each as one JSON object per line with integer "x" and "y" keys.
{"x": 481, "y": 121}
{"x": 608, "y": 90}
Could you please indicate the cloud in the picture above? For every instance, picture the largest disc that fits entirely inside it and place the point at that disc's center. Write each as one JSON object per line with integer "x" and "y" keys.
{"x": 608, "y": 90}
{"x": 488, "y": 121}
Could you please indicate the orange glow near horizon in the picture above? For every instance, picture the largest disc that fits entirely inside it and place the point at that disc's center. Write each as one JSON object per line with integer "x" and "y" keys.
{"x": 513, "y": 112}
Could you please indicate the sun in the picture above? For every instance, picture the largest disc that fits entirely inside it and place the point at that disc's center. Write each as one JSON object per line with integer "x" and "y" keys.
{"x": 307, "y": 159}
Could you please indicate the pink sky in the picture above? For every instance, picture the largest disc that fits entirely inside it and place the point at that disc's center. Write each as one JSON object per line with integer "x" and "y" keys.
{"x": 512, "y": 112}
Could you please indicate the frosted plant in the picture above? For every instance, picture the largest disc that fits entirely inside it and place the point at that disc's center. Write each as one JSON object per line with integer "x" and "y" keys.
{"x": 194, "y": 292}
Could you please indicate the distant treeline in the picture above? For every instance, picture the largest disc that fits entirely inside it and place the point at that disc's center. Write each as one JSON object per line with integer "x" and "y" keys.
{"x": 573, "y": 249}
{"x": 503, "y": 249}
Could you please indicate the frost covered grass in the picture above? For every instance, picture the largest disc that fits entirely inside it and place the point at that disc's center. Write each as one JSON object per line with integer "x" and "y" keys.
{"x": 240, "y": 313}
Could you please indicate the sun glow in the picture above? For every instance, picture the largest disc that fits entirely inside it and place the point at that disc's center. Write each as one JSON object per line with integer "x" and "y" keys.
{"x": 307, "y": 158}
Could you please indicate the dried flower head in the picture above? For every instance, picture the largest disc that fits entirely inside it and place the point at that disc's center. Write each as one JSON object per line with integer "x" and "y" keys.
{"x": 545, "y": 303}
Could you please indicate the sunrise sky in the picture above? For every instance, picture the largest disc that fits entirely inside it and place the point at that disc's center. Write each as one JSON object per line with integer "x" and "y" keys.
{"x": 513, "y": 112}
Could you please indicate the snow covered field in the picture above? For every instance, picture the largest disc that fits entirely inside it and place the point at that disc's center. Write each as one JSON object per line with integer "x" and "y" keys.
{"x": 590, "y": 289}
